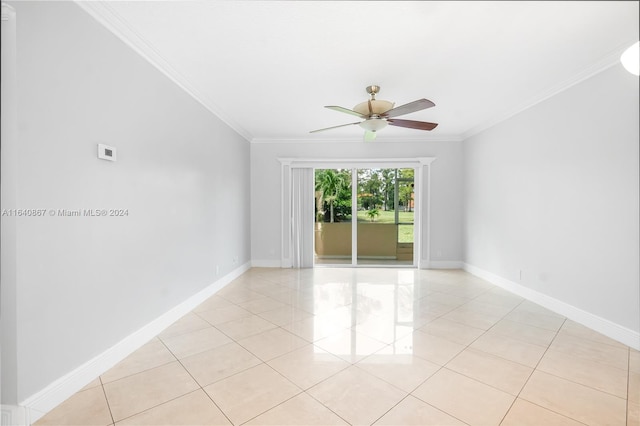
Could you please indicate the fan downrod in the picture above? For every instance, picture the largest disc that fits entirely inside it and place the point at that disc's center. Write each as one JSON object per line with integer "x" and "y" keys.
{"x": 373, "y": 90}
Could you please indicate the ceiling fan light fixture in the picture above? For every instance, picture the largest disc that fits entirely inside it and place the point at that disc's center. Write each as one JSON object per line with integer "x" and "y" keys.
{"x": 630, "y": 58}
{"x": 377, "y": 107}
{"x": 374, "y": 124}
{"x": 377, "y": 114}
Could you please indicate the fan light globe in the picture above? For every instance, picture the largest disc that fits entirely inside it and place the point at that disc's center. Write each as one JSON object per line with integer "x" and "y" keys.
{"x": 630, "y": 59}
{"x": 374, "y": 124}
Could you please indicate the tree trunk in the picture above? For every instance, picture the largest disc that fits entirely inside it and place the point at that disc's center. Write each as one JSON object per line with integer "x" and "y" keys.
{"x": 331, "y": 211}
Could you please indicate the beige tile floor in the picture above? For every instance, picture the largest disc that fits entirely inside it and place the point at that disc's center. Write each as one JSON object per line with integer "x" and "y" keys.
{"x": 366, "y": 346}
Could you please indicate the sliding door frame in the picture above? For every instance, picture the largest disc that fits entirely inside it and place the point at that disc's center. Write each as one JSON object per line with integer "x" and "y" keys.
{"x": 422, "y": 181}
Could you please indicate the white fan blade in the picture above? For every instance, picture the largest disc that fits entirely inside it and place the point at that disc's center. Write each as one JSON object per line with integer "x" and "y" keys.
{"x": 334, "y": 127}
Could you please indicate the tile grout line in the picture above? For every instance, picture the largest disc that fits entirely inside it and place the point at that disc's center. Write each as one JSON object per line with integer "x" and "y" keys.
{"x": 324, "y": 405}
{"x": 113, "y": 421}
{"x": 468, "y": 346}
{"x": 271, "y": 408}
{"x": 533, "y": 371}
{"x": 462, "y": 350}
{"x": 617, "y": 345}
{"x": 263, "y": 362}
{"x": 582, "y": 384}
{"x": 492, "y": 326}
{"x": 302, "y": 391}
{"x": 305, "y": 391}
{"x": 626, "y": 413}
{"x": 158, "y": 405}
{"x": 140, "y": 371}
{"x": 280, "y": 403}
{"x": 243, "y": 347}
{"x": 589, "y": 360}
{"x": 162, "y": 403}
{"x": 528, "y": 378}
{"x": 414, "y": 396}
{"x": 424, "y": 402}
{"x": 198, "y": 383}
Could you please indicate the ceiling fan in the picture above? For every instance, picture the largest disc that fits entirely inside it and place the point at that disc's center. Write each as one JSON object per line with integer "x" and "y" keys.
{"x": 378, "y": 113}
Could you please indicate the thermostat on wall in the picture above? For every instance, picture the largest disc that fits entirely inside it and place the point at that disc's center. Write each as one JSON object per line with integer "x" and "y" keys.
{"x": 106, "y": 152}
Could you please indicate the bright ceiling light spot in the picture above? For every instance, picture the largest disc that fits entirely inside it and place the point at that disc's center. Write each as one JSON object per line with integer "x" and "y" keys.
{"x": 630, "y": 59}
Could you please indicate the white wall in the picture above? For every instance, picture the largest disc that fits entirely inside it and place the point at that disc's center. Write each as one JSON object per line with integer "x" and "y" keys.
{"x": 85, "y": 283}
{"x": 8, "y": 147}
{"x": 446, "y": 189}
{"x": 553, "y": 193}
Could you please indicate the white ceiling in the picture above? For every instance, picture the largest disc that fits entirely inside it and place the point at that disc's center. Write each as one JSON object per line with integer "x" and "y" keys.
{"x": 267, "y": 68}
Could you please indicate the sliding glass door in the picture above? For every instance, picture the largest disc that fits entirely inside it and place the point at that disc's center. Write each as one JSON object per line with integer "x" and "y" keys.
{"x": 333, "y": 195}
{"x": 385, "y": 216}
{"x": 364, "y": 216}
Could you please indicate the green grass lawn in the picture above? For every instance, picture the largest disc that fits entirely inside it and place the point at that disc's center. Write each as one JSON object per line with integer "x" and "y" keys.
{"x": 386, "y": 217}
{"x": 405, "y": 232}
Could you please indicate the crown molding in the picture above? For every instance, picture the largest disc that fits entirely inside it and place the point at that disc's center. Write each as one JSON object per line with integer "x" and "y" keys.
{"x": 313, "y": 161}
{"x": 603, "y": 64}
{"x": 102, "y": 12}
{"x": 357, "y": 140}
{"x": 7, "y": 11}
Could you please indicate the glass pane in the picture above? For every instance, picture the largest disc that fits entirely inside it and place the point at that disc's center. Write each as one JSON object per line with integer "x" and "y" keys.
{"x": 405, "y": 234}
{"x": 385, "y": 216}
{"x": 405, "y": 207}
{"x": 333, "y": 216}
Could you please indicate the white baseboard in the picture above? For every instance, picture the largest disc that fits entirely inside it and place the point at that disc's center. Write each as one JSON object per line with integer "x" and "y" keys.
{"x": 444, "y": 264}
{"x": 601, "y": 325}
{"x": 14, "y": 415}
{"x": 260, "y": 263}
{"x": 55, "y": 393}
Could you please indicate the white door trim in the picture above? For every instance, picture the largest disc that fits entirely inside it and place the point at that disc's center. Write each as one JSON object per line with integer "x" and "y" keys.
{"x": 422, "y": 165}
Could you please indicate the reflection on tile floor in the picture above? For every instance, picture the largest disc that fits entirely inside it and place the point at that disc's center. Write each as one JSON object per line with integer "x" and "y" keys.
{"x": 365, "y": 346}
{"x": 323, "y": 261}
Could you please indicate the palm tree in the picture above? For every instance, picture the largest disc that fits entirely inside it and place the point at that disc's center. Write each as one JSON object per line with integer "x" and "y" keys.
{"x": 328, "y": 184}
